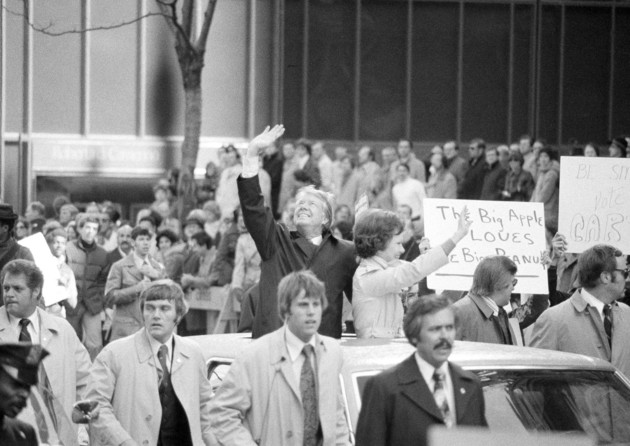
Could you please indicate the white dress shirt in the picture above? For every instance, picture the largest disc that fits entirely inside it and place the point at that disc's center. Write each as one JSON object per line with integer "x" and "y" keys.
{"x": 594, "y": 302}
{"x": 295, "y": 346}
{"x": 32, "y": 328}
{"x": 155, "y": 346}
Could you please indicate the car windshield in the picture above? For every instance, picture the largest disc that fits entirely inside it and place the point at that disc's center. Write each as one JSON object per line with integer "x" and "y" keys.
{"x": 596, "y": 403}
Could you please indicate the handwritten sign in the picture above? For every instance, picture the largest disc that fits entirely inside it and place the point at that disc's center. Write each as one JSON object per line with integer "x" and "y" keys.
{"x": 595, "y": 202}
{"x": 512, "y": 229}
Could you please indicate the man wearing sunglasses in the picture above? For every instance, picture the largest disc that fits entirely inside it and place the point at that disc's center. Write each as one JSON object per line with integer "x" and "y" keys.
{"x": 482, "y": 317}
{"x": 591, "y": 322}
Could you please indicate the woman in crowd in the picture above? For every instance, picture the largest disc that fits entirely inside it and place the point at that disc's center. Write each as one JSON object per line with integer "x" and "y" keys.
{"x": 591, "y": 150}
{"x": 442, "y": 183}
{"x": 546, "y": 190}
{"x": 519, "y": 183}
{"x": 377, "y": 306}
{"x": 227, "y": 193}
{"x": 165, "y": 239}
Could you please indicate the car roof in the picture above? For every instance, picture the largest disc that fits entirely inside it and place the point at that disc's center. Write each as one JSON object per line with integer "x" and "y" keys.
{"x": 378, "y": 354}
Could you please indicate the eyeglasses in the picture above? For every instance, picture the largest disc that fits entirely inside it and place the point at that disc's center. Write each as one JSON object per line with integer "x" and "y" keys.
{"x": 625, "y": 272}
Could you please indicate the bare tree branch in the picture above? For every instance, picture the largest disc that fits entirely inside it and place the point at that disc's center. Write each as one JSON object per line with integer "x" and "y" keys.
{"x": 47, "y": 29}
{"x": 188, "y": 12}
{"x": 169, "y": 10}
{"x": 205, "y": 28}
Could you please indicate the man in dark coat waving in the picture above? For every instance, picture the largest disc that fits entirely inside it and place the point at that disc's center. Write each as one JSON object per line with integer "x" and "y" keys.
{"x": 312, "y": 246}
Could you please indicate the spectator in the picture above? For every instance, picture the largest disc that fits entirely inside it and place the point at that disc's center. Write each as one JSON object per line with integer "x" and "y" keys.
{"x": 503, "y": 152}
{"x": 591, "y": 150}
{"x": 227, "y": 195}
{"x": 125, "y": 245}
{"x": 617, "y": 148}
{"x": 546, "y": 190}
{"x": 481, "y": 313}
{"x": 348, "y": 193}
{"x": 288, "y": 184}
{"x": 202, "y": 245}
{"x": 519, "y": 183}
{"x": 307, "y": 172}
{"x": 126, "y": 281}
{"x": 64, "y": 373}
{"x": 151, "y": 387}
{"x": 470, "y": 187}
{"x": 207, "y": 190}
{"x": 340, "y": 153}
{"x": 397, "y": 408}
{"x": 256, "y": 405}
{"x": 161, "y": 204}
{"x": 312, "y": 246}
{"x": 89, "y": 265}
{"x": 453, "y": 162}
{"x": 66, "y": 289}
{"x": 36, "y": 216}
{"x": 107, "y": 230}
{"x": 494, "y": 176}
{"x": 272, "y": 163}
{"x": 71, "y": 229}
{"x": 246, "y": 262}
{"x": 529, "y": 156}
{"x": 381, "y": 275}
{"x": 22, "y": 228}
{"x": 591, "y": 322}
{"x": 343, "y": 213}
{"x": 408, "y": 190}
{"x": 165, "y": 240}
{"x": 19, "y": 370}
{"x": 416, "y": 167}
{"x": 381, "y": 196}
{"x": 441, "y": 184}
{"x": 324, "y": 164}
{"x": 367, "y": 170}
{"x": 343, "y": 230}
{"x": 67, "y": 214}
{"x": 223, "y": 265}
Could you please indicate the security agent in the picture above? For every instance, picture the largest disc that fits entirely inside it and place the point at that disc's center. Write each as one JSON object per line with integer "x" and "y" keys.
{"x": 19, "y": 365}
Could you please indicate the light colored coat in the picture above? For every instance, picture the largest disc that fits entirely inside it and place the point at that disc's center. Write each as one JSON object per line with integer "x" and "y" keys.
{"x": 124, "y": 382}
{"x": 68, "y": 364}
{"x": 376, "y": 305}
{"x": 574, "y": 326}
{"x": 475, "y": 324}
{"x": 123, "y": 289}
{"x": 259, "y": 401}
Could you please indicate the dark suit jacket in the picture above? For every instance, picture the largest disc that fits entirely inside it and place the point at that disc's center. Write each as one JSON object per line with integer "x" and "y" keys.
{"x": 16, "y": 433}
{"x": 398, "y": 407}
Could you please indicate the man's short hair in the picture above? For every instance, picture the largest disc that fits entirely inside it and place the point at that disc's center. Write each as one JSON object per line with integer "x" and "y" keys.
{"x": 166, "y": 289}
{"x": 480, "y": 143}
{"x": 327, "y": 199}
{"x": 488, "y": 274}
{"x": 291, "y": 287}
{"x": 33, "y": 275}
{"x": 412, "y": 322}
{"x": 71, "y": 208}
{"x": 594, "y": 261}
{"x": 84, "y": 218}
{"x": 408, "y": 141}
{"x": 202, "y": 239}
{"x": 138, "y": 231}
{"x": 56, "y": 232}
{"x": 404, "y": 165}
{"x": 373, "y": 231}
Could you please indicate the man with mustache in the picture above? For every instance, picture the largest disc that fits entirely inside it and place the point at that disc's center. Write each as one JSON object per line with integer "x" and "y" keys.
{"x": 123, "y": 238}
{"x": 19, "y": 364}
{"x": 401, "y": 403}
{"x": 311, "y": 246}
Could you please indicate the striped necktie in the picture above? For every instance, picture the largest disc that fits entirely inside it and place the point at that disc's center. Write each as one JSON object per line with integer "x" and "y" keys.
{"x": 439, "y": 393}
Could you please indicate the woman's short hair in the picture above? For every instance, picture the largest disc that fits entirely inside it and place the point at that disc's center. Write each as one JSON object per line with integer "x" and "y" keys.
{"x": 327, "y": 199}
{"x": 168, "y": 234}
{"x": 548, "y": 151}
{"x": 374, "y": 230}
{"x": 594, "y": 261}
{"x": 412, "y": 322}
{"x": 202, "y": 239}
{"x": 489, "y": 273}
{"x": 166, "y": 289}
{"x": 294, "y": 284}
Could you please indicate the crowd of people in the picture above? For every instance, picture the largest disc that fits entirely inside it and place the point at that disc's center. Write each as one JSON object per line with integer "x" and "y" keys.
{"x": 276, "y": 226}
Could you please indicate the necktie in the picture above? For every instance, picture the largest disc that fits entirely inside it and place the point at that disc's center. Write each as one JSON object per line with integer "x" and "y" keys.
{"x": 308, "y": 389}
{"x": 439, "y": 393}
{"x": 162, "y": 357}
{"x": 505, "y": 326}
{"x": 608, "y": 322}
{"x": 46, "y": 390}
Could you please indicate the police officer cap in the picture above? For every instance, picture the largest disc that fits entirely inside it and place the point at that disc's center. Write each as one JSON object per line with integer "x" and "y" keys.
{"x": 21, "y": 360}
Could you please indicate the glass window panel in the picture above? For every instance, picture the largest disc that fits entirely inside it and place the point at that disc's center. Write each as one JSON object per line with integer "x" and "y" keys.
{"x": 486, "y": 68}
{"x": 522, "y": 82}
{"x": 57, "y": 68}
{"x": 113, "y": 66}
{"x": 383, "y": 69}
{"x": 549, "y": 74}
{"x": 434, "y": 78}
{"x": 621, "y": 104}
{"x": 331, "y": 69}
{"x": 586, "y": 74}
{"x": 292, "y": 69}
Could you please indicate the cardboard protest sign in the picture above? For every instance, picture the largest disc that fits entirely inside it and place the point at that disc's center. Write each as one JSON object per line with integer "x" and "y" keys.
{"x": 595, "y": 202}
{"x": 52, "y": 292}
{"x": 513, "y": 229}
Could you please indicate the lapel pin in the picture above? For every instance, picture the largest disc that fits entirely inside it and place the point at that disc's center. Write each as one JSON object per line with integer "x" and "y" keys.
{"x": 462, "y": 390}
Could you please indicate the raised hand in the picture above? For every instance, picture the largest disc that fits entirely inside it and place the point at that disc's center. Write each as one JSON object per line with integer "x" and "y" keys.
{"x": 463, "y": 225}
{"x": 265, "y": 139}
{"x": 558, "y": 245}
